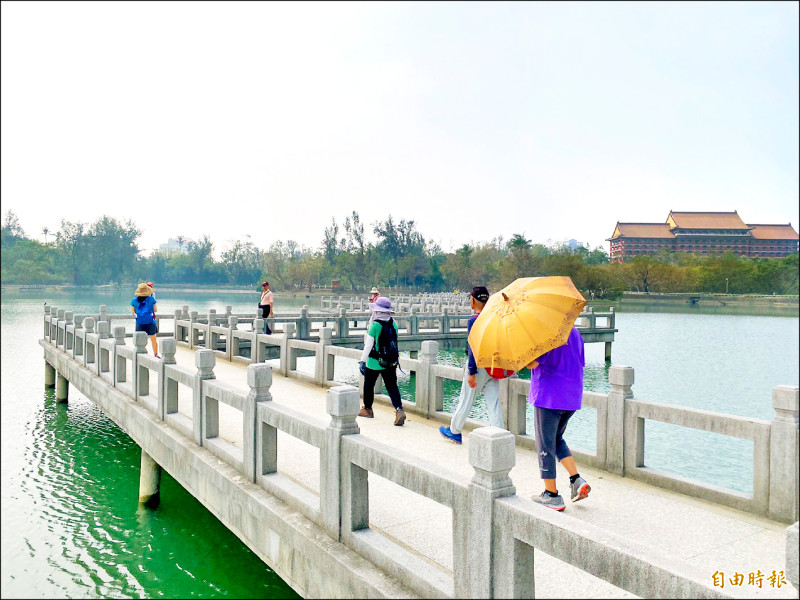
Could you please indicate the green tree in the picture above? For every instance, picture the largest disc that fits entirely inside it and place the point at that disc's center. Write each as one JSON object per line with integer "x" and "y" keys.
{"x": 200, "y": 257}
{"x": 242, "y": 262}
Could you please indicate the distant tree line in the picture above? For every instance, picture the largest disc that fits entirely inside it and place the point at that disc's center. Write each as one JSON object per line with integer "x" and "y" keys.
{"x": 106, "y": 252}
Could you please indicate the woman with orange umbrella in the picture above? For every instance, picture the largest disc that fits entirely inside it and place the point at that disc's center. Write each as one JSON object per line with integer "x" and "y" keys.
{"x": 532, "y": 322}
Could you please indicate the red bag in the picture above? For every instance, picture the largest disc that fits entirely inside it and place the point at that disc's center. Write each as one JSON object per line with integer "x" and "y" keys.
{"x": 499, "y": 373}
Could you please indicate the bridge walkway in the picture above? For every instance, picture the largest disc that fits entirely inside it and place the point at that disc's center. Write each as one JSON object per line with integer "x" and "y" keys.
{"x": 710, "y": 536}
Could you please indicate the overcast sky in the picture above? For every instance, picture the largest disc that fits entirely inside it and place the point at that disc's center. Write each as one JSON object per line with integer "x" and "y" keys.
{"x": 477, "y": 120}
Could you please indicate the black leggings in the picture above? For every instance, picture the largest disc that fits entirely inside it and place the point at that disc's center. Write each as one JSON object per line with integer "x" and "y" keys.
{"x": 389, "y": 380}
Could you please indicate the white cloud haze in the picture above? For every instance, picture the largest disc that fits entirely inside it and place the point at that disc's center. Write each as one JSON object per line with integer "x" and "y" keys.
{"x": 477, "y": 120}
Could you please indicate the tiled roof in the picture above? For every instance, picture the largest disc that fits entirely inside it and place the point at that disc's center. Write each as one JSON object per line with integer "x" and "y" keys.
{"x": 642, "y": 230}
{"x": 707, "y": 220}
{"x": 773, "y": 232}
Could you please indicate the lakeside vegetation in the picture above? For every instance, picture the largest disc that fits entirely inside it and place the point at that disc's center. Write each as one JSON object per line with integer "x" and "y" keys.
{"x": 106, "y": 252}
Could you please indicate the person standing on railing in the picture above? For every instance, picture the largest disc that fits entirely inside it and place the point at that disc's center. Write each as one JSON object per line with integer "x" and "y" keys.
{"x": 381, "y": 358}
{"x": 556, "y": 392}
{"x": 266, "y": 304}
{"x": 475, "y": 380}
{"x": 144, "y": 308}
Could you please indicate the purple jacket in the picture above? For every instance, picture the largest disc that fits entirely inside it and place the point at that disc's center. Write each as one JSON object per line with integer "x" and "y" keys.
{"x": 557, "y": 382}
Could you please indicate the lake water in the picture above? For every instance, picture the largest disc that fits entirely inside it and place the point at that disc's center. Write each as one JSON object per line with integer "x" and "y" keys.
{"x": 72, "y": 525}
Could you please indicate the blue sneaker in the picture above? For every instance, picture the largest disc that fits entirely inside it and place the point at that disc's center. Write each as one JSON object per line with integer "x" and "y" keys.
{"x": 453, "y": 437}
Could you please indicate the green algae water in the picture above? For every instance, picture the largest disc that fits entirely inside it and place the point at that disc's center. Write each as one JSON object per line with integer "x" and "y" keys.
{"x": 72, "y": 525}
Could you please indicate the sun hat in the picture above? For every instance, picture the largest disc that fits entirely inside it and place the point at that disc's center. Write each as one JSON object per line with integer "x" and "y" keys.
{"x": 374, "y": 290}
{"x": 381, "y": 304}
{"x": 480, "y": 293}
{"x": 143, "y": 290}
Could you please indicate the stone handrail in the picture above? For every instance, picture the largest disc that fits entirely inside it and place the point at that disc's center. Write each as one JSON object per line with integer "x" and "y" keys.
{"x": 620, "y": 417}
{"x": 494, "y": 531}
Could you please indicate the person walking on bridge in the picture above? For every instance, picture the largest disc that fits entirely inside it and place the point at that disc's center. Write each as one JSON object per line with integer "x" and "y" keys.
{"x": 475, "y": 381}
{"x": 265, "y": 304}
{"x": 380, "y": 358}
{"x": 144, "y": 307}
{"x": 556, "y": 392}
{"x": 373, "y": 296}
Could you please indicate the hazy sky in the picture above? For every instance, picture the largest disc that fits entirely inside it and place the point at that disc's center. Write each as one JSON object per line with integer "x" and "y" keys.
{"x": 477, "y": 120}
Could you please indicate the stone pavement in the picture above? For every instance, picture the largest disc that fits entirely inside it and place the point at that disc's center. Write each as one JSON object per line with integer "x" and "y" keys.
{"x": 712, "y": 537}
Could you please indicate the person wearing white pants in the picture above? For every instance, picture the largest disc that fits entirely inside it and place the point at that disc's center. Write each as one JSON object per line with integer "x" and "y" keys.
{"x": 475, "y": 381}
{"x": 491, "y": 395}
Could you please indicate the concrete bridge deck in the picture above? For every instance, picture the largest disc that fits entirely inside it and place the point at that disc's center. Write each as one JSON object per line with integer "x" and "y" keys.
{"x": 711, "y": 537}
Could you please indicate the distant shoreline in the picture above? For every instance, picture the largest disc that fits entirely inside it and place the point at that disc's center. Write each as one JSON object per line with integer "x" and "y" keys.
{"x": 629, "y": 299}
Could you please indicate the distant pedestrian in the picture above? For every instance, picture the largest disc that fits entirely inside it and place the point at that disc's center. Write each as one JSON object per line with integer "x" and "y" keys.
{"x": 380, "y": 357}
{"x": 556, "y": 392}
{"x": 265, "y": 304}
{"x": 475, "y": 381}
{"x": 144, "y": 308}
{"x": 373, "y": 295}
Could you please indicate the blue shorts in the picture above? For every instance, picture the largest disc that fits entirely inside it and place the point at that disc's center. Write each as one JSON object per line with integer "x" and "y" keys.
{"x": 149, "y": 329}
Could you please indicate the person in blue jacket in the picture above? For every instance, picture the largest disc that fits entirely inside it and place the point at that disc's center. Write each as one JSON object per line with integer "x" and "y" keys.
{"x": 475, "y": 381}
{"x": 143, "y": 307}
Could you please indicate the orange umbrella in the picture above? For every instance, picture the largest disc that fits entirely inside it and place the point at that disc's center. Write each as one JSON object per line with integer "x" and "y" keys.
{"x": 524, "y": 320}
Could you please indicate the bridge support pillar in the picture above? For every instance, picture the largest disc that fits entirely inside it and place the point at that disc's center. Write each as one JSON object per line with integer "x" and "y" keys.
{"x": 62, "y": 388}
{"x": 608, "y": 351}
{"x": 49, "y": 375}
{"x": 149, "y": 481}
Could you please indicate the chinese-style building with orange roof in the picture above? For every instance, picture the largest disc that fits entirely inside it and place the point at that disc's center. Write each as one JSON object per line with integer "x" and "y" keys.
{"x": 703, "y": 233}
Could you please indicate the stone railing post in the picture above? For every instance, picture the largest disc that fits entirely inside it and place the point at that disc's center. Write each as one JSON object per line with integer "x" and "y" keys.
{"x": 514, "y": 405}
{"x": 77, "y": 347}
{"x": 492, "y": 455}
{"x": 303, "y": 324}
{"x": 445, "y": 321}
{"x": 621, "y": 380}
{"x": 323, "y": 369}
{"x": 783, "y": 455}
{"x": 52, "y": 322}
{"x": 425, "y": 384}
{"x": 88, "y": 350}
{"x": 168, "y": 346}
{"x": 204, "y": 360}
{"x": 258, "y": 325}
{"x": 342, "y": 325}
{"x": 46, "y": 322}
{"x": 230, "y": 350}
{"x": 288, "y": 358}
{"x": 228, "y": 308}
{"x": 413, "y": 322}
{"x": 61, "y": 327}
{"x": 141, "y": 374}
{"x": 120, "y": 370}
{"x": 193, "y": 334}
{"x": 103, "y": 356}
{"x": 169, "y": 387}
{"x": 792, "y": 559}
{"x": 212, "y": 322}
{"x": 342, "y": 404}
{"x": 103, "y": 313}
{"x": 259, "y": 378}
{"x": 68, "y": 337}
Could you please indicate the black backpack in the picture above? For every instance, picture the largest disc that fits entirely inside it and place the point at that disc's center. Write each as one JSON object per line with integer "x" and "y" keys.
{"x": 385, "y": 349}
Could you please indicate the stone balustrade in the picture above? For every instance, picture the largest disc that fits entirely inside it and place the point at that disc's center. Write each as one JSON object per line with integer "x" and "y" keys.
{"x": 620, "y": 440}
{"x": 494, "y": 531}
